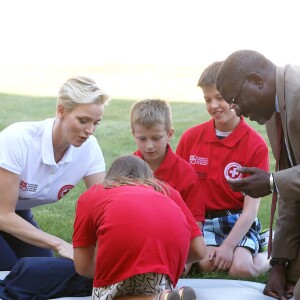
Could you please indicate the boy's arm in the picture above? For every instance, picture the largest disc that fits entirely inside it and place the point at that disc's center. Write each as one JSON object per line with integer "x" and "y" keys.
{"x": 84, "y": 261}
{"x": 197, "y": 250}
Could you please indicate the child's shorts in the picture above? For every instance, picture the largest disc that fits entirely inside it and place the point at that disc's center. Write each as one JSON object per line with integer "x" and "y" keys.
{"x": 142, "y": 284}
{"x": 216, "y": 230}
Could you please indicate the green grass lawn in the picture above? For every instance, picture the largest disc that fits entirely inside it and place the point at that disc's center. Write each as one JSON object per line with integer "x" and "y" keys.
{"x": 115, "y": 139}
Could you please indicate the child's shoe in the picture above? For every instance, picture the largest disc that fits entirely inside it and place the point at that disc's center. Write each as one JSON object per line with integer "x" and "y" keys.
{"x": 187, "y": 293}
{"x": 168, "y": 295}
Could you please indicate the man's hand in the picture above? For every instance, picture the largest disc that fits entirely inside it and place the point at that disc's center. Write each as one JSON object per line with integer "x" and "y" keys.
{"x": 276, "y": 285}
{"x": 256, "y": 185}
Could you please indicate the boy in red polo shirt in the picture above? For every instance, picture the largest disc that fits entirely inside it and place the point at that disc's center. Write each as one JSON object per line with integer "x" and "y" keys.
{"x": 215, "y": 150}
{"x": 151, "y": 126}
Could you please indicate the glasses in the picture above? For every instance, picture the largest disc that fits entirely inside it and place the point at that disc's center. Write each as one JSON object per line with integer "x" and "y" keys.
{"x": 233, "y": 103}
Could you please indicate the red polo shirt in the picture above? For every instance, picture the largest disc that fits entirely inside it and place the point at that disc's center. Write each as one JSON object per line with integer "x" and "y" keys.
{"x": 181, "y": 176}
{"x": 216, "y": 160}
{"x": 137, "y": 229}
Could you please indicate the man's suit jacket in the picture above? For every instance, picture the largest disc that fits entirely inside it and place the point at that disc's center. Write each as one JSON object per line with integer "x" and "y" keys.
{"x": 287, "y": 236}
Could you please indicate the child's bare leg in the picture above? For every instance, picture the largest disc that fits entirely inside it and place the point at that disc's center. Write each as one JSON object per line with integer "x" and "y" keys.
{"x": 261, "y": 262}
{"x": 245, "y": 265}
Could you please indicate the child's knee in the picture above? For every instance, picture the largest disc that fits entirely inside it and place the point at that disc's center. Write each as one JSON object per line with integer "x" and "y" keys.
{"x": 205, "y": 265}
{"x": 242, "y": 271}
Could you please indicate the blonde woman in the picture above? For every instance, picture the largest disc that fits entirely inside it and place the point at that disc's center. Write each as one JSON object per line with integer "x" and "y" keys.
{"x": 41, "y": 161}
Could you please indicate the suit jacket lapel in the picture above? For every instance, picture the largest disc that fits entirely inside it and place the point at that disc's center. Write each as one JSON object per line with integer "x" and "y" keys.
{"x": 280, "y": 89}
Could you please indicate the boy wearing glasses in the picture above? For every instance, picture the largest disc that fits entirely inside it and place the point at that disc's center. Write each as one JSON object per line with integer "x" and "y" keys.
{"x": 216, "y": 149}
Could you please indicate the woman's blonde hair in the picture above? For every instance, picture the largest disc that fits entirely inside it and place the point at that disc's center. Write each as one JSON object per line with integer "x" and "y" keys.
{"x": 132, "y": 170}
{"x": 80, "y": 90}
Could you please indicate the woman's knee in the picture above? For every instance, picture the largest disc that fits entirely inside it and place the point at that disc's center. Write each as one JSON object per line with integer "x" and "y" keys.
{"x": 7, "y": 258}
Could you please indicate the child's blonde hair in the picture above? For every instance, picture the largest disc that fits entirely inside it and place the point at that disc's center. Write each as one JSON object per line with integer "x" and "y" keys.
{"x": 208, "y": 77}
{"x": 150, "y": 112}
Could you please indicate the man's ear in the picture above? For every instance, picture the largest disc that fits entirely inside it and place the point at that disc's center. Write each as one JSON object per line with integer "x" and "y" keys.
{"x": 256, "y": 79}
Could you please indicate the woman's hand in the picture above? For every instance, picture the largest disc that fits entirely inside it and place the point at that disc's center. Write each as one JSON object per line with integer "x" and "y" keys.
{"x": 65, "y": 249}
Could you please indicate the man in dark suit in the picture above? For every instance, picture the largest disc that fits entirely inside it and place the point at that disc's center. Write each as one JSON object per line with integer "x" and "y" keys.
{"x": 258, "y": 89}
